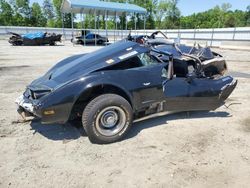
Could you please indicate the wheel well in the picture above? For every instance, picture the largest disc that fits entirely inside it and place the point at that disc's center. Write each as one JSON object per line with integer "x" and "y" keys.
{"x": 93, "y": 92}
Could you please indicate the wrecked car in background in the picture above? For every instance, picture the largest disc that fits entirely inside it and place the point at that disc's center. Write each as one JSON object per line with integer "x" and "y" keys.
{"x": 109, "y": 88}
{"x": 34, "y": 39}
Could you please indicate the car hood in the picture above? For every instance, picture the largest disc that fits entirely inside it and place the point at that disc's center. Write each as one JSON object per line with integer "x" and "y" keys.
{"x": 77, "y": 66}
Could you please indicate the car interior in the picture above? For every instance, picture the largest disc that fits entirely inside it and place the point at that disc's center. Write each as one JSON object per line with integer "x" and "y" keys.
{"x": 181, "y": 68}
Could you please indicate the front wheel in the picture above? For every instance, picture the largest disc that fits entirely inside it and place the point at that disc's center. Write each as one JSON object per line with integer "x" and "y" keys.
{"x": 100, "y": 42}
{"x": 107, "y": 118}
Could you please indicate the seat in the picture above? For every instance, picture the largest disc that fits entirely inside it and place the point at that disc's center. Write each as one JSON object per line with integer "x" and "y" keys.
{"x": 180, "y": 68}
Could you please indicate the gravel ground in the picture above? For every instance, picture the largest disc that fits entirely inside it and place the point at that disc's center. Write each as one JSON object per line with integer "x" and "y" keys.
{"x": 205, "y": 149}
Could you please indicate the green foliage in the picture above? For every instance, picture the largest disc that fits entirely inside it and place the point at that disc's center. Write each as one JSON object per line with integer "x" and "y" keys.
{"x": 7, "y": 14}
{"x": 247, "y": 16}
{"x": 218, "y": 17}
{"x": 22, "y": 7}
{"x": 172, "y": 21}
{"x": 48, "y": 10}
{"x": 161, "y": 14}
{"x": 37, "y": 17}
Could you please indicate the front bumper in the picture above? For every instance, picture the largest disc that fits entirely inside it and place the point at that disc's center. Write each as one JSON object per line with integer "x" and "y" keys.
{"x": 35, "y": 108}
{"x": 25, "y": 103}
{"x": 28, "y": 106}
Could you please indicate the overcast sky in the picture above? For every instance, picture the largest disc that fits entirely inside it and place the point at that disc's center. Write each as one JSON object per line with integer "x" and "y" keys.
{"x": 188, "y": 7}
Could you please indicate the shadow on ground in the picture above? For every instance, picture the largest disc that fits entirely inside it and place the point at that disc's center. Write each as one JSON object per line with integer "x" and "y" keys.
{"x": 68, "y": 131}
{"x": 74, "y": 130}
{"x": 158, "y": 120}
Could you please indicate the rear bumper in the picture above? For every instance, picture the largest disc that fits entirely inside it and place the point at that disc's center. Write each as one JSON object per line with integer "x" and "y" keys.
{"x": 228, "y": 89}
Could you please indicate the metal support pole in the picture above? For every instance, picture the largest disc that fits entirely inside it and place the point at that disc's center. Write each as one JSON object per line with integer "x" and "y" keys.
{"x": 84, "y": 31}
{"x": 98, "y": 22}
{"x": 234, "y": 33}
{"x": 144, "y": 24}
{"x": 81, "y": 18}
{"x": 81, "y": 21}
{"x": 115, "y": 26}
{"x": 63, "y": 31}
{"x": 121, "y": 27}
{"x": 72, "y": 25}
{"x": 106, "y": 27}
{"x": 178, "y": 37}
{"x": 126, "y": 24}
{"x": 83, "y": 26}
{"x": 212, "y": 38}
{"x": 135, "y": 21}
{"x": 95, "y": 27}
{"x": 195, "y": 35}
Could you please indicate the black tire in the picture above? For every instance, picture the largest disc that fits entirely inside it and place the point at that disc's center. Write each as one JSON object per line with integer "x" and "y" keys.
{"x": 52, "y": 43}
{"x": 107, "y": 118}
{"x": 100, "y": 42}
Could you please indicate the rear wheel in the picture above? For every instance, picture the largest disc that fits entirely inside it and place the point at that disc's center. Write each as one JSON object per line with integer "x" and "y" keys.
{"x": 107, "y": 118}
{"x": 100, "y": 42}
{"x": 52, "y": 43}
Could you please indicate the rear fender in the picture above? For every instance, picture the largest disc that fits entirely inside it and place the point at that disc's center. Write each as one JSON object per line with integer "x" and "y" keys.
{"x": 215, "y": 66}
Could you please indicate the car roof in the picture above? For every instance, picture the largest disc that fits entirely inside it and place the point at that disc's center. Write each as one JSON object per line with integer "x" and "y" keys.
{"x": 113, "y": 51}
{"x": 102, "y": 58}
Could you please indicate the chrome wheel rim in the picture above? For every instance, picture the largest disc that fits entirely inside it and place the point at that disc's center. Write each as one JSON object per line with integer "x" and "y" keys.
{"x": 110, "y": 121}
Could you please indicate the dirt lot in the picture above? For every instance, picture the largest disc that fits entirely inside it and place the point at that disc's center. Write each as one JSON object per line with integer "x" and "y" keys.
{"x": 206, "y": 149}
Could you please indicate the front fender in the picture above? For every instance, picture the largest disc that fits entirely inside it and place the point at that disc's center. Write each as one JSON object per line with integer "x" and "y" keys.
{"x": 62, "y": 100}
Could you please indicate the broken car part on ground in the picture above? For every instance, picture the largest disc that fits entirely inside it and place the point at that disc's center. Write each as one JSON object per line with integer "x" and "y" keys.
{"x": 111, "y": 87}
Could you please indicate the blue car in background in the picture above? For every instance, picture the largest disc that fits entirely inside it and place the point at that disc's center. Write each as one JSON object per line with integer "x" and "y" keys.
{"x": 91, "y": 38}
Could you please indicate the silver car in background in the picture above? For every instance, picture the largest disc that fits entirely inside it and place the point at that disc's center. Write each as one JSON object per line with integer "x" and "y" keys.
{"x": 91, "y": 38}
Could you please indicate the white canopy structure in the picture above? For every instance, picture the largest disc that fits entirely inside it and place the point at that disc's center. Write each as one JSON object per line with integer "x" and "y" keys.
{"x": 90, "y": 6}
{"x": 97, "y": 7}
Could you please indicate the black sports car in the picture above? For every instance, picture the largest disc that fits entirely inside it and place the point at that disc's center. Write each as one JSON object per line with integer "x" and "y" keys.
{"x": 111, "y": 87}
{"x": 34, "y": 39}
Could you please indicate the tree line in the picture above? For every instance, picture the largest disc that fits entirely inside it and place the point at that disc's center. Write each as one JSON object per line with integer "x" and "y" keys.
{"x": 161, "y": 14}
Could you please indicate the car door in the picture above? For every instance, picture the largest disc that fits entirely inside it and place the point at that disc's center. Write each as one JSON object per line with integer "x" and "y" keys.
{"x": 89, "y": 38}
{"x": 191, "y": 93}
{"x": 148, "y": 85}
{"x": 146, "y": 82}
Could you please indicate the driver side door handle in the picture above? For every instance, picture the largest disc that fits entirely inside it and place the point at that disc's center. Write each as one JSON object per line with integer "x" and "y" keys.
{"x": 146, "y": 83}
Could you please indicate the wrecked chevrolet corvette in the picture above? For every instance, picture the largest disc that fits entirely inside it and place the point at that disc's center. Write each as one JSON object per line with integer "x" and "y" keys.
{"x": 111, "y": 87}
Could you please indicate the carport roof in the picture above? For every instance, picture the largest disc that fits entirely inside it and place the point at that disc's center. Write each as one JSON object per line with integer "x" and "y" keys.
{"x": 89, "y": 7}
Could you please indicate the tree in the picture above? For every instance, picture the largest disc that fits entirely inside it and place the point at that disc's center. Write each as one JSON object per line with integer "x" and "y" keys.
{"x": 23, "y": 8}
{"x": 223, "y": 13}
{"x": 67, "y": 17}
{"x": 22, "y": 12}
{"x": 230, "y": 20}
{"x": 6, "y": 13}
{"x": 248, "y": 16}
{"x": 48, "y": 10}
{"x": 172, "y": 20}
{"x": 217, "y": 17}
{"x": 37, "y": 17}
{"x": 161, "y": 13}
